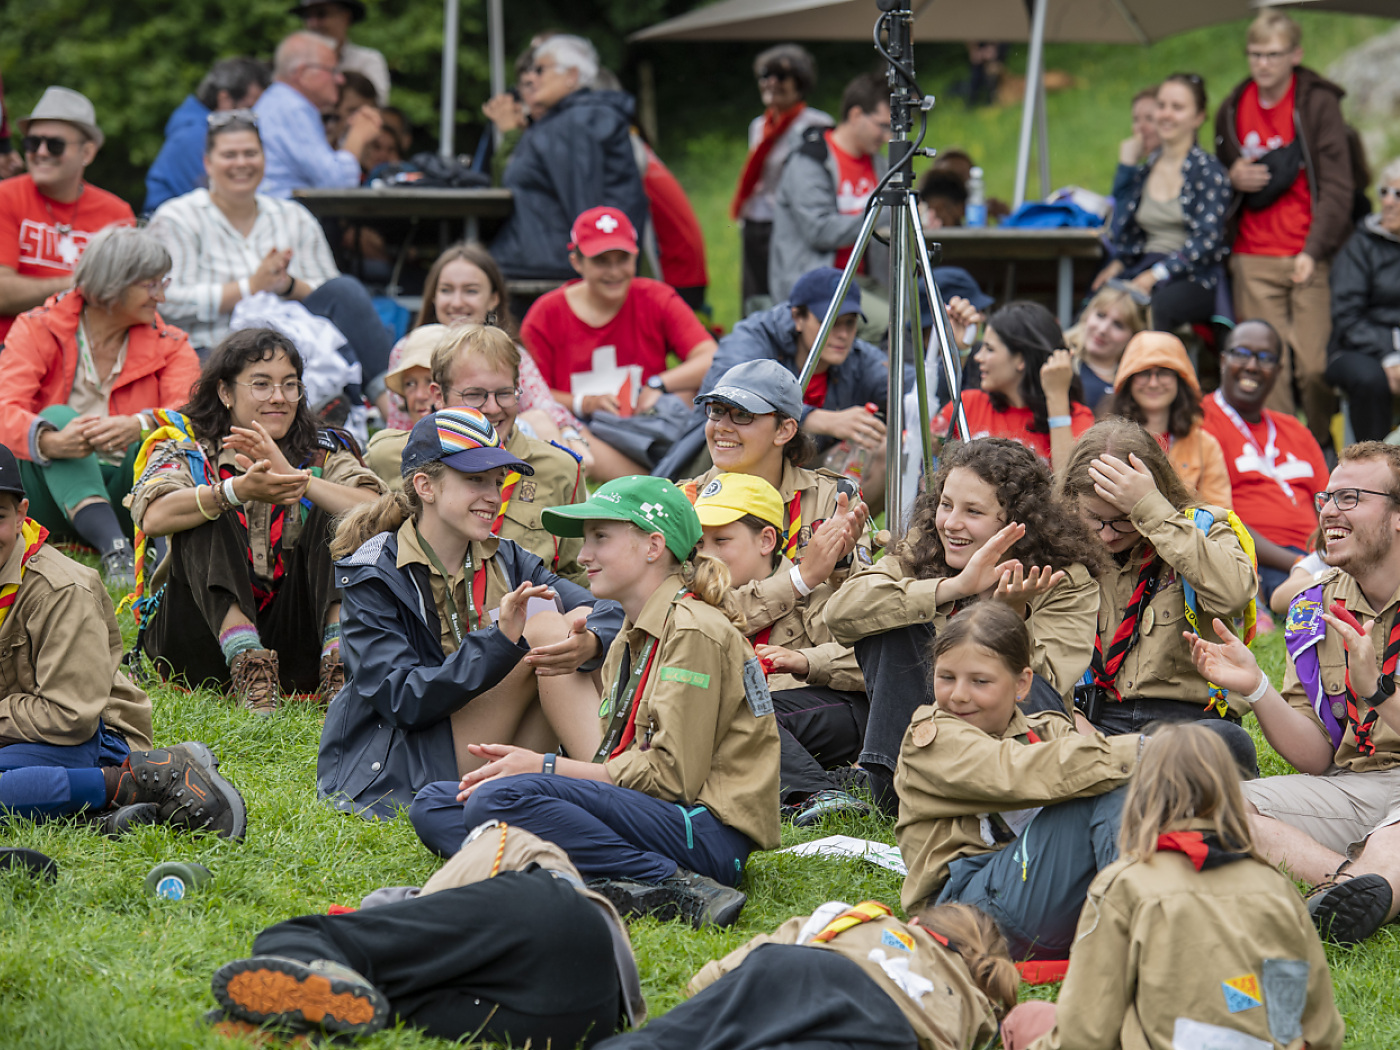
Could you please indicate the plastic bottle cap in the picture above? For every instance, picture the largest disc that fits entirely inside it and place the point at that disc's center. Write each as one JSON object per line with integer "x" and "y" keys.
{"x": 171, "y": 888}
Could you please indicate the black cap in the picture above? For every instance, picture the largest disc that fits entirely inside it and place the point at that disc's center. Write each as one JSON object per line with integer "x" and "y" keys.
{"x": 10, "y": 481}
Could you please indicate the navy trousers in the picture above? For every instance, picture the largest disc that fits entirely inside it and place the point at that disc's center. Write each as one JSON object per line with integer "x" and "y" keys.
{"x": 51, "y": 780}
{"x": 608, "y": 831}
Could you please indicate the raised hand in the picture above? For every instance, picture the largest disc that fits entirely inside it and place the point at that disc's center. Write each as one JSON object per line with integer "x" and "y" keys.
{"x": 1017, "y": 588}
{"x": 1361, "y": 652}
{"x": 256, "y": 443}
{"x": 1056, "y": 375}
{"x": 1121, "y": 484}
{"x": 1228, "y": 663}
{"x": 831, "y": 541}
{"x": 511, "y": 622}
{"x": 567, "y": 656}
{"x": 984, "y": 569}
{"x": 261, "y": 484}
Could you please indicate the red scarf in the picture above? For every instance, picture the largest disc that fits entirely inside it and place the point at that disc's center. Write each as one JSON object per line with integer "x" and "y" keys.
{"x": 775, "y": 124}
{"x": 1202, "y": 849}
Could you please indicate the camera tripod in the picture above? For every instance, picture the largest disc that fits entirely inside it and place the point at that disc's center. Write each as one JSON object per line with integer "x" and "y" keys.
{"x": 909, "y": 260}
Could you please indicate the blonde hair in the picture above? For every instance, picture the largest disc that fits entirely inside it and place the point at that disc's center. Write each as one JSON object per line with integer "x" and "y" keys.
{"x": 385, "y": 514}
{"x": 976, "y": 939}
{"x": 1270, "y": 24}
{"x": 486, "y": 344}
{"x": 706, "y": 577}
{"x": 1185, "y": 773}
{"x": 1106, "y": 299}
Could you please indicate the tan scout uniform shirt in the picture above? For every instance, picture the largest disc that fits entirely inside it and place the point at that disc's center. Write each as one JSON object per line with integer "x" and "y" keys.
{"x": 60, "y": 658}
{"x": 697, "y": 740}
{"x": 955, "y": 1015}
{"x": 1159, "y": 666}
{"x": 819, "y": 490}
{"x": 799, "y": 624}
{"x": 1160, "y": 946}
{"x": 1332, "y": 661}
{"x": 557, "y": 482}
{"x": 884, "y": 596}
{"x": 951, "y": 775}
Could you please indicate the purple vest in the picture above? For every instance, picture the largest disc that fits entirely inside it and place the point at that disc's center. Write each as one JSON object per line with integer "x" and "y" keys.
{"x": 1303, "y": 632}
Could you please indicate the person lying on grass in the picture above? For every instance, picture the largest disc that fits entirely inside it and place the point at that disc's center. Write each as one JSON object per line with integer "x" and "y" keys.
{"x": 680, "y": 780}
{"x": 1192, "y": 938}
{"x": 75, "y": 733}
{"x": 444, "y": 649}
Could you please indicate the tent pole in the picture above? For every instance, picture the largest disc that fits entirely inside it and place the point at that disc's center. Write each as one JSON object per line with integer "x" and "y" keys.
{"x": 496, "y": 46}
{"x": 1034, "y": 76}
{"x": 447, "y": 127}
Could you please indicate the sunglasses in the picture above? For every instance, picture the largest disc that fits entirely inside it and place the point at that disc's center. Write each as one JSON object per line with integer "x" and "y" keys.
{"x": 775, "y": 73}
{"x": 222, "y": 118}
{"x": 56, "y": 144}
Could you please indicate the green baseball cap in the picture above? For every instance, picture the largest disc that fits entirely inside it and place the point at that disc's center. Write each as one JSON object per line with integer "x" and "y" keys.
{"x": 651, "y": 504}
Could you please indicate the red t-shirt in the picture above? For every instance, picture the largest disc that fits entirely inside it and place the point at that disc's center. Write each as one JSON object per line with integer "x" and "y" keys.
{"x": 652, "y": 321}
{"x": 40, "y": 237}
{"x": 679, "y": 240}
{"x": 1281, "y": 513}
{"x": 853, "y": 188}
{"x": 985, "y": 421}
{"x": 1282, "y": 227}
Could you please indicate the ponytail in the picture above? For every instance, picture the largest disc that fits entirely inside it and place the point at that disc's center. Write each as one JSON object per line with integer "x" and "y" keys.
{"x": 976, "y": 939}
{"x": 385, "y": 514}
{"x": 708, "y": 579}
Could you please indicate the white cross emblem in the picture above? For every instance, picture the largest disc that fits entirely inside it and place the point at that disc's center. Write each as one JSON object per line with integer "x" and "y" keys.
{"x": 606, "y": 223}
{"x": 67, "y": 250}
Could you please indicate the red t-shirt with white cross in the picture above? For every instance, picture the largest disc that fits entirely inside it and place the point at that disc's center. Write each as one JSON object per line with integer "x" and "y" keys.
{"x": 855, "y": 181}
{"x": 1281, "y": 228}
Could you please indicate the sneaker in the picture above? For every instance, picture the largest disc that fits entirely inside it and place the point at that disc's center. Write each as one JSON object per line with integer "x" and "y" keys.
{"x": 118, "y": 820}
{"x": 830, "y": 803}
{"x": 184, "y": 785}
{"x": 1350, "y": 910}
{"x": 255, "y": 680}
{"x": 332, "y": 679}
{"x": 702, "y": 901}
{"x": 289, "y": 993}
{"x": 29, "y": 861}
{"x": 633, "y": 899}
{"x": 119, "y": 565}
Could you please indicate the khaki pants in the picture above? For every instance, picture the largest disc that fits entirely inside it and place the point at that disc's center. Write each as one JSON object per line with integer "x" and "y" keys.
{"x": 1302, "y": 316}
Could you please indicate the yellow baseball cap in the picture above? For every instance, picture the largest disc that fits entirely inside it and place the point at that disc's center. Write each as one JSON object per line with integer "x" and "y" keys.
{"x": 729, "y": 497}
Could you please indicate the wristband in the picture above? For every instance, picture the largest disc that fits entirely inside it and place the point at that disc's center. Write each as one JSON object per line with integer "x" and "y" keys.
{"x": 1059, "y": 421}
{"x": 200, "y": 504}
{"x": 1160, "y": 271}
{"x": 1259, "y": 690}
{"x": 798, "y": 583}
{"x": 549, "y": 761}
{"x": 578, "y": 405}
{"x": 245, "y": 290}
{"x": 231, "y": 495}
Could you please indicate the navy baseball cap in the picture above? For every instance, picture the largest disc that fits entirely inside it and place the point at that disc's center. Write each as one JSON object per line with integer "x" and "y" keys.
{"x": 463, "y": 439}
{"x": 10, "y": 481}
{"x": 816, "y": 288}
{"x": 760, "y": 387}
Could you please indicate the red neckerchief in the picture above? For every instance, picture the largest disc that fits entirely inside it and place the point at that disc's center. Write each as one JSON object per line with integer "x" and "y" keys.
{"x": 794, "y": 527}
{"x": 815, "y": 394}
{"x": 775, "y": 125}
{"x": 276, "y": 521}
{"x": 1202, "y": 849}
{"x": 1362, "y": 728}
{"x": 761, "y": 638}
{"x": 1105, "y": 668}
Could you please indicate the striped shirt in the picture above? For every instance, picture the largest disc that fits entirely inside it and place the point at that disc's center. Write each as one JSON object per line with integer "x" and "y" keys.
{"x": 206, "y": 252}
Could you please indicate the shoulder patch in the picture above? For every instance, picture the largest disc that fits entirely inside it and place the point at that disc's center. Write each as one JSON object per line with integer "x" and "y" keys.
{"x": 368, "y": 552}
{"x": 1241, "y": 993}
{"x": 897, "y": 939}
{"x": 685, "y": 677}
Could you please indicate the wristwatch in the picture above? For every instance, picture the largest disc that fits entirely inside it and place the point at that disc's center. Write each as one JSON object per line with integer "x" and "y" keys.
{"x": 1385, "y": 689}
{"x": 657, "y": 383}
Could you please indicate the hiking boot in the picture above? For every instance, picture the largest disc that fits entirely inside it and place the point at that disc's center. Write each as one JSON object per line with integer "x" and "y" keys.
{"x": 332, "y": 679}
{"x": 184, "y": 785}
{"x": 824, "y": 804}
{"x": 118, "y": 820}
{"x": 255, "y": 680}
{"x": 29, "y": 861}
{"x": 1350, "y": 910}
{"x": 220, "y": 1023}
{"x": 271, "y": 989}
{"x": 119, "y": 565}
{"x": 702, "y": 901}
{"x": 633, "y": 899}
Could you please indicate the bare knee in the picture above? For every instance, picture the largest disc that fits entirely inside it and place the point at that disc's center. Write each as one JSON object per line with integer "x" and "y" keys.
{"x": 545, "y": 628}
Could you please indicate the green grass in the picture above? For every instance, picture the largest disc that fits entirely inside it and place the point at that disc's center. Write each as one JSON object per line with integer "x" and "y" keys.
{"x": 93, "y": 962}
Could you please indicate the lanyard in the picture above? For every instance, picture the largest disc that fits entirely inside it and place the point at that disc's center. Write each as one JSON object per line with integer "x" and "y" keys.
{"x": 623, "y": 702}
{"x": 478, "y": 578}
{"x": 1270, "y": 456}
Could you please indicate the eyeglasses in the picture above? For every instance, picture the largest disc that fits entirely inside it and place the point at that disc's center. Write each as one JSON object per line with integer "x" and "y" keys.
{"x": 1387, "y": 192}
{"x": 1267, "y": 56}
{"x": 1263, "y": 358}
{"x": 1122, "y": 526}
{"x": 1346, "y": 499}
{"x": 222, "y": 118}
{"x": 56, "y": 144}
{"x": 772, "y": 73}
{"x": 262, "y": 389}
{"x": 476, "y": 398}
{"x": 157, "y": 286}
{"x": 716, "y": 412}
{"x": 1154, "y": 375}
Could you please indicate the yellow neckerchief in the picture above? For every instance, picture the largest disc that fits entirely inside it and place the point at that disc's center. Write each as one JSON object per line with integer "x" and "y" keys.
{"x": 1217, "y": 696}
{"x": 34, "y": 536}
{"x": 865, "y": 911}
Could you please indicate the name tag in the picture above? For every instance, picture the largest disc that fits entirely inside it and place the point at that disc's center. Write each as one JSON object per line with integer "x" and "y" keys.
{"x": 760, "y": 701}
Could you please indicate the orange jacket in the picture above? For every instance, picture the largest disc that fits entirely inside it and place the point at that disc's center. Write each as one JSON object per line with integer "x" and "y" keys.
{"x": 40, "y": 359}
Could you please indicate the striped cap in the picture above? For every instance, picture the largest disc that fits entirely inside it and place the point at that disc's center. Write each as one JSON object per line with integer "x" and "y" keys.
{"x": 463, "y": 439}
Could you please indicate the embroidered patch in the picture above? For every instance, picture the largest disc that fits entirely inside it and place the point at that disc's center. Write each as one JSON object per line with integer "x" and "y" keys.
{"x": 685, "y": 677}
{"x": 1303, "y": 615}
{"x": 756, "y": 693}
{"x": 712, "y": 489}
{"x": 1241, "y": 993}
{"x": 863, "y": 556}
{"x": 897, "y": 939}
{"x": 526, "y": 492}
{"x": 923, "y": 733}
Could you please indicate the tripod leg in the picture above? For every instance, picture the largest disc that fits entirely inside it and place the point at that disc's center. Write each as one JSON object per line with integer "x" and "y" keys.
{"x": 847, "y": 276}
{"x": 947, "y": 349}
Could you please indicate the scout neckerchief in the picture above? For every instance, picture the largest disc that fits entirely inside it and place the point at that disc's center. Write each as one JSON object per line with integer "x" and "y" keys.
{"x": 1103, "y": 667}
{"x": 1203, "y": 519}
{"x": 34, "y": 536}
{"x": 476, "y": 599}
{"x": 507, "y": 491}
{"x": 1269, "y": 459}
{"x": 1363, "y": 727}
{"x": 622, "y": 701}
{"x": 1303, "y": 632}
{"x": 1202, "y": 849}
{"x": 865, "y": 911}
{"x": 794, "y": 526}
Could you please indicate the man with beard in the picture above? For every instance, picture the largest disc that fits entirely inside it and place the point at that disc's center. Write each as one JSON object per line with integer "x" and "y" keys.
{"x": 1275, "y": 464}
{"x": 1335, "y": 822}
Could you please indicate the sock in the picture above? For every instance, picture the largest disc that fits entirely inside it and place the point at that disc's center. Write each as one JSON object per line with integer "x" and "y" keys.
{"x": 97, "y": 524}
{"x": 330, "y": 641}
{"x": 238, "y": 639}
{"x": 112, "y": 775}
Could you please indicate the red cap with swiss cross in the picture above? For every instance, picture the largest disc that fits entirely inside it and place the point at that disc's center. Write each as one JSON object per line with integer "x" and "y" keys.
{"x": 600, "y": 230}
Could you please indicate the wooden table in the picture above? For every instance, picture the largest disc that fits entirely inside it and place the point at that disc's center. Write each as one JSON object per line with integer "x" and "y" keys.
{"x": 469, "y": 205}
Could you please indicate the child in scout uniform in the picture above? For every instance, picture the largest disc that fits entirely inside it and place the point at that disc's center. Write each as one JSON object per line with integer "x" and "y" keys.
{"x": 1011, "y": 813}
{"x": 75, "y": 733}
{"x": 1192, "y": 939}
{"x": 818, "y": 695}
{"x": 478, "y": 367}
{"x": 680, "y": 782}
{"x": 439, "y": 624}
{"x": 847, "y": 977}
{"x": 1175, "y": 565}
{"x": 752, "y": 427}
{"x": 989, "y": 525}
{"x": 247, "y": 485}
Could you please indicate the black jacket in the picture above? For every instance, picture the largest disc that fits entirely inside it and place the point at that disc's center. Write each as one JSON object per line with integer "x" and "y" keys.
{"x": 1366, "y": 292}
{"x": 388, "y": 732}
{"x": 577, "y": 156}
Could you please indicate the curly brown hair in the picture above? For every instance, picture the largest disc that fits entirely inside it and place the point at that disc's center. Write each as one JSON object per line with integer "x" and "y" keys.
{"x": 1054, "y": 535}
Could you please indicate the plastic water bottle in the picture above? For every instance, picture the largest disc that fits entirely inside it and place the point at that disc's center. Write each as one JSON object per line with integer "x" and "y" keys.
{"x": 848, "y": 459}
{"x": 174, "y": 880}
{"x": 975, "y": 212}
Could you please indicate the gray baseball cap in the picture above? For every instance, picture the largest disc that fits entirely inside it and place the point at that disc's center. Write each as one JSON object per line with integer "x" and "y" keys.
{"x": 61, "y": 103}
{"x": 759, "y": 387}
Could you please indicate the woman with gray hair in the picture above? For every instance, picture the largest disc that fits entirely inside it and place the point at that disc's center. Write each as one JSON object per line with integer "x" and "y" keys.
{"x": 82, "y": 376}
